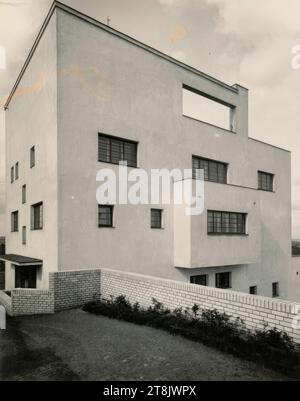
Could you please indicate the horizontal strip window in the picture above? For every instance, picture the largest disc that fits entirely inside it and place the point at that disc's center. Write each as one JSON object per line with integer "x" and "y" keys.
{"x": 105, "y": 215}
{"x": 265, "y": 181}
{"x": 114, "y": 150}
{"x": 213, "y": 171}
{"x": 223, "y": 223}
{"x": 201, "y": 279}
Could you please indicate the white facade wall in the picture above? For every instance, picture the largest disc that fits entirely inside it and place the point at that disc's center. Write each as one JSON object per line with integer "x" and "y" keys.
{"x": 107, "y": 84}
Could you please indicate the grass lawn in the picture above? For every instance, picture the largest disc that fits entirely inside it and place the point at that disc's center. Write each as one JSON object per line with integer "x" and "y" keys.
{"x": 74, "y": 345}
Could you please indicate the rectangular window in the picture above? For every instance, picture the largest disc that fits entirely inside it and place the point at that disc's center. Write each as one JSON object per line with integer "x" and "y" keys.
{"x": 275, "y": 290}
{"x": 213, "y": 171}
{"x": 226, "y": 223}
{"x": 25, "y": 277}
{"x": 24, "y": 194}
{"x": 37, "y": 216}
{"x": 24, "y": 235}
{"x": 12, "y": 174}
{"x": 253, "y": 290}
{"x": 156, "y": 218}
{"x": 17, "y": 171}
{"x": 15, "y": 221}
{"x": 205, "y": 108}
{"x": 265, "y": 181}
{"x": 223, "y": 280}
{"x": 114, "y": 150}
{"x": 105, "y": 215}
{"x": 201, "y": 279}
{"x": 32, "y": 157}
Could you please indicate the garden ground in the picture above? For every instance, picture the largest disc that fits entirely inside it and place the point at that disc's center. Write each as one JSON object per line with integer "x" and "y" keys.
{"x": 74, "y": 345}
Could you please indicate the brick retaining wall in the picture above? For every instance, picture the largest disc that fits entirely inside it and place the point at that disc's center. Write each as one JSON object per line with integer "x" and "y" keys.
{"x": 254, "y": 310}
{"x": 31, "y": 302}
{"x": 74, "y": 288}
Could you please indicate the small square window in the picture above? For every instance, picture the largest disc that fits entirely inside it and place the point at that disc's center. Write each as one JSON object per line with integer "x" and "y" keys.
{"x": 37, "y": 216}
{"x": 32, "y": 157}
{"x": 156, "y": 218}
{"x": 265, "y": 181}
{"x": 105, "y": 215}
{"x": 253, "y": 290}
{"x": 201, "y": 279}
{"x": 275, "y": 290}
{"x": 223, "y": 280}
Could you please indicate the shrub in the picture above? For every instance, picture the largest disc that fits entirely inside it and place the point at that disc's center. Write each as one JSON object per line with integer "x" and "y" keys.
{"x": 270, "y": 347}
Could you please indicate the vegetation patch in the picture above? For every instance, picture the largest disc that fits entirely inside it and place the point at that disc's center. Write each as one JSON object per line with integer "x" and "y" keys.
{"x": 268, "y": 347}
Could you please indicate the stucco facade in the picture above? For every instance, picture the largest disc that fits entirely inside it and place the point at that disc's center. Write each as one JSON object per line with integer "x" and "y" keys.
{"x": 84, "y": 78}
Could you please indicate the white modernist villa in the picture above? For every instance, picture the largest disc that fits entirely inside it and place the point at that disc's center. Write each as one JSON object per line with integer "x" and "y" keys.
{"x": 88, "y": 97}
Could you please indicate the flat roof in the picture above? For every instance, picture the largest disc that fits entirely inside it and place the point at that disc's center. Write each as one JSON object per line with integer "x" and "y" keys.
{"x": 20, "y": 260}
{"x": 82, "y": 16}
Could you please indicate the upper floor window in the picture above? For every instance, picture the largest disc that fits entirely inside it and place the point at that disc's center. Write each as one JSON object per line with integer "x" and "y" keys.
{"x": 105, "y": 215}
{"x": 12, "y": 174}
{"x": 24, "y": 194}
{"x": 275, "y": 290}
{"x": 223, "y": 280}
{"x": 265, "y": 181}
{"x": 201, "y": 279}
{"x": 17, "y": 171}
{"x": 156, "y": 218}
{"x": 226, "y": 223}
{"x": 213, "y": 171}
{"x": 115, "y": 150}
{"x": 24, "y": 235}
{"x": 37, "y": 216}
{"x": 32, "y": 157}
{"x": 15, "y": 221}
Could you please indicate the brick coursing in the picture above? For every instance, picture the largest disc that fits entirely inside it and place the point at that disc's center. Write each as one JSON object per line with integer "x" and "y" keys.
{"x": 256, "y": 311}
{"x": 31, "y": 302}
{"x": 74, "y": 288}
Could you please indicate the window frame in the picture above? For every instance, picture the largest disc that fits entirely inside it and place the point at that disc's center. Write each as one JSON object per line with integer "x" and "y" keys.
{"x": 35, "y": 227}
{"x": 210, "y": 162}
{"x": 32, "y": 156}
{"x": 156, "y": 227}
{"x": 260, "y": 176}
{"x": 16, "y": 171}
{"x": 24, "y": 235}
{"x": 229, "y": 280}
{"x": 275, "y": 289}
{"x": 251, "y": 288}
{"x": 24, "y": 194}
{"x": 12, "y": 174}
{"x": 111, "y": 222}
{"x": 121, "y": 141}
{"x": 228, "y": 220}
{"x": 15, "y": 221}
{"x": 193, "y": 279}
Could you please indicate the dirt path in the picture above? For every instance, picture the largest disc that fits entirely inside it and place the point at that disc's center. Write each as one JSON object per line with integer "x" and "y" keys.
{"x": 74, "y": 345}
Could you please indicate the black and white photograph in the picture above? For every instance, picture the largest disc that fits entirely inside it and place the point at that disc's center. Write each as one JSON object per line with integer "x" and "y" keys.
{"x": 149, "y": 193}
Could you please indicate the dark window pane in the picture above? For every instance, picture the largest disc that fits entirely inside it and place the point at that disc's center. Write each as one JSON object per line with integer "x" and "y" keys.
{"x": 32, "y": 157}
{"x": 200, "y": 280}
{"x": 226, "y": 223}
{"x": 265, "y": 181}
{"x": 112, "y": 150}
{"x": 213, "y": 171}
{"x": 105, "y": 215}
{"x": 253, "y": 290}
{"x": 37, "y": 216}
{"x": 275, "y": 290}
{"x": 15, "y": 221}
{"x": 223, "y": 280}
{"x": 156, "y": 218}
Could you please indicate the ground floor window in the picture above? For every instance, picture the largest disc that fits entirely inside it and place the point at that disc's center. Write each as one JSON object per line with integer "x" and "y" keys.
{"x": 223, "y": 280}
{"x": 253, "y": 290}
{"x": 201, "y": 279}
{"x": 275, "y": 290}
{"x": 25, "y": 277}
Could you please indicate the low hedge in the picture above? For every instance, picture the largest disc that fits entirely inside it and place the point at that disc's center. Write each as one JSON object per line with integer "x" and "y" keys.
{"x": 269, "y": 347}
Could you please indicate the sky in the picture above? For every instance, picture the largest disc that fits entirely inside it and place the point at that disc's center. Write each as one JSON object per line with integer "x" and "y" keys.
{"x": 250, "y": 42}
